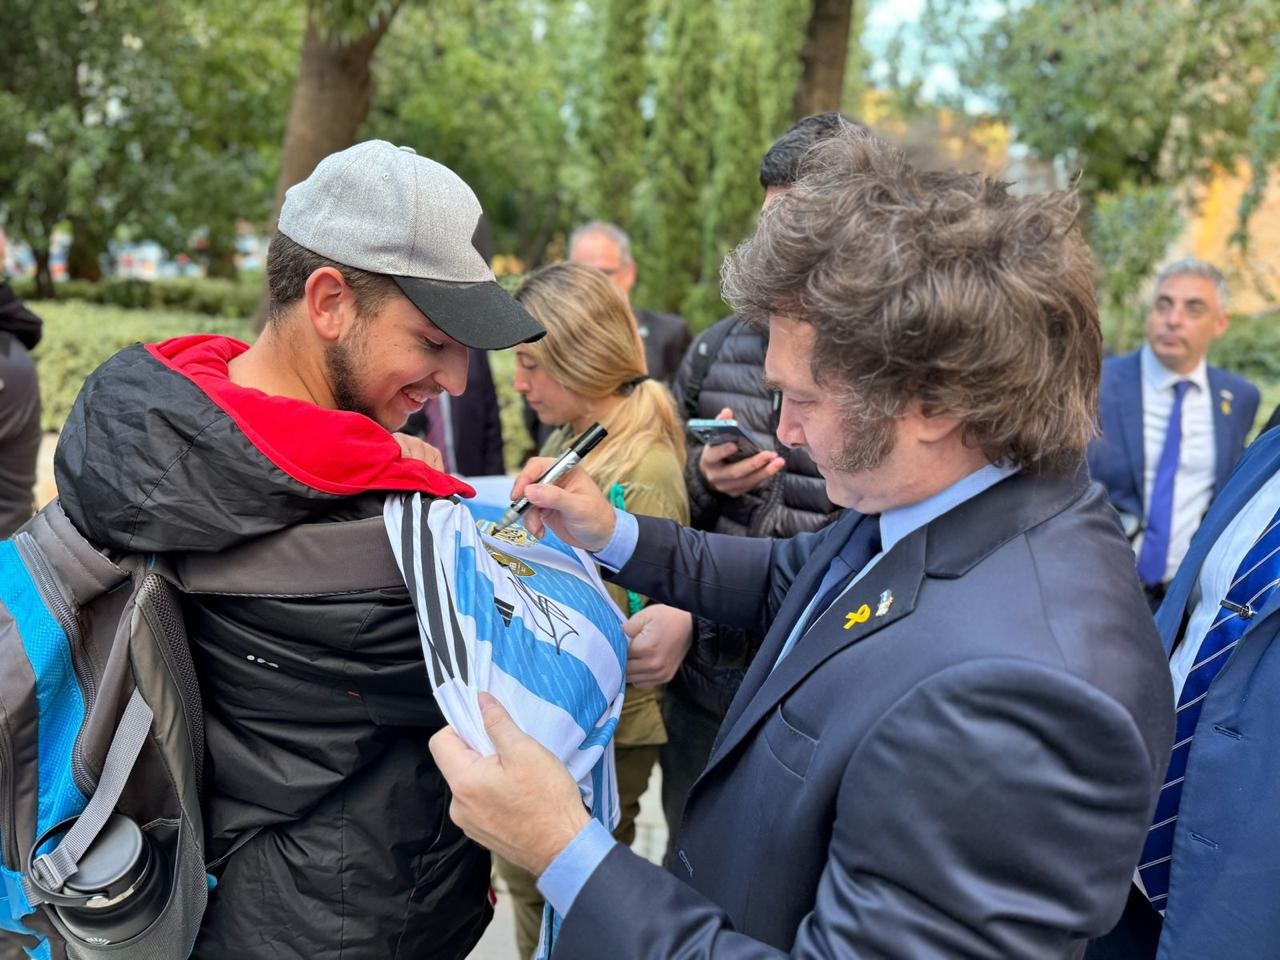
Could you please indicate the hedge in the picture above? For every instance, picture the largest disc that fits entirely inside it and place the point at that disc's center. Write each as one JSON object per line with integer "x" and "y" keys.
{"x": 210, "y": 296}
{"x": 78, "y": 336}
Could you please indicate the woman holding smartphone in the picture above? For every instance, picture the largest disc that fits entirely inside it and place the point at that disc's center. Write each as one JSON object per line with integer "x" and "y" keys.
{"x": 590, "y": 368}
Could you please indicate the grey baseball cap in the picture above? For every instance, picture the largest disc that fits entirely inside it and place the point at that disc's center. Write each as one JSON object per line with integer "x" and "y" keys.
{"x": 384, "y": 209}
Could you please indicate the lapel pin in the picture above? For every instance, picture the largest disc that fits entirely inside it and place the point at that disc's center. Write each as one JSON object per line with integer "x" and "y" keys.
{"x": 1226, "y": 397}
{"x": 886, "y": 601}
{"x": 861, "y": 615}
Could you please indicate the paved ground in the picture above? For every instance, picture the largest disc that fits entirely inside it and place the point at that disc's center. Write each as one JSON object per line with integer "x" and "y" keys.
{"x": 44, "y": 470}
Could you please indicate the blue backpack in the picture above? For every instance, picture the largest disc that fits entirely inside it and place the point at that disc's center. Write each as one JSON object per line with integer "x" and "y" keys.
{"x": 101, "y": 745}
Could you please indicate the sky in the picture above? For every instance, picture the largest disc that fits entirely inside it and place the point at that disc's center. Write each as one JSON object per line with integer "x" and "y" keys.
{"x": 884, "y": 19}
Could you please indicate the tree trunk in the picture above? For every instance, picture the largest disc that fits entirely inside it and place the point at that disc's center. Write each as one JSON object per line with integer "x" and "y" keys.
{"x": 220, "y": 252}
{"x": 825, "y": 52}
{"x": 44, "y": 279}
{"x": 84, "y": 257}
{"x": 534, "y": 248}
{"x": 330, "y": 100}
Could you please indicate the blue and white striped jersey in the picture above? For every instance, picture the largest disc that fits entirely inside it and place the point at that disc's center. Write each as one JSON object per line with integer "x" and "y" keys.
{"x": 528, "y": 621}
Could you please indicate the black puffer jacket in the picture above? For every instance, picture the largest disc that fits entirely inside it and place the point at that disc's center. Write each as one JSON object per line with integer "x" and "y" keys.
{"x": 317, "y": 705}
{"x": 792, "y": 502}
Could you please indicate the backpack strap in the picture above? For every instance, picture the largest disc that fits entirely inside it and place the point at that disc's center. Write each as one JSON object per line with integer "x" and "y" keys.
{"x": 47, "y": 874}
{"x": 311, "y": 559}
{"x": 79, "y": 567}
{"x": 704, "y": 354}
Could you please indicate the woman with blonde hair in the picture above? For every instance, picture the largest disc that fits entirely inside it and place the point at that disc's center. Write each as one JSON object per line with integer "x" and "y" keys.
{"x": 589, "y": 368}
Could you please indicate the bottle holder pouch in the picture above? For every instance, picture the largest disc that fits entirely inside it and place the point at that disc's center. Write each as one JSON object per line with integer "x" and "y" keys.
{"x": 172, "y": 934}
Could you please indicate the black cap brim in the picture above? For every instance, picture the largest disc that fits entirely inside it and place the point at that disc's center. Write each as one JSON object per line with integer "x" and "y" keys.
{"x": 480, "y": 315}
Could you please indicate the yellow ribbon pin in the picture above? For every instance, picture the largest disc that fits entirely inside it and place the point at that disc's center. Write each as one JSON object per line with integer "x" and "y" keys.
{"x": 861, "y": 615}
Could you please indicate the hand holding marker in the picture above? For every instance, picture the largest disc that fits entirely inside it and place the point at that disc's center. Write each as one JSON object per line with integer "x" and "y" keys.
{"x": 566, "y": 462}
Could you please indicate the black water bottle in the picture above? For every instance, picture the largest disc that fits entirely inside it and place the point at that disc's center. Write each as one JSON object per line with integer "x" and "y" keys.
{"x": 120, "y": 888}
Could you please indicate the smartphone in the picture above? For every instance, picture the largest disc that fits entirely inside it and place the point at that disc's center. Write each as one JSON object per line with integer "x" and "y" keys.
{"x": 725, "y": 431}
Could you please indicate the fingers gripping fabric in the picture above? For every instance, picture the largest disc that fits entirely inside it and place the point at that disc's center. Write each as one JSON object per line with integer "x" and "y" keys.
{"x": 528, "y": 621}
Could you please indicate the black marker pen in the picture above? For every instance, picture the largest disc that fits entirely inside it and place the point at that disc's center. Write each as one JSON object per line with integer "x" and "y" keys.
{"x": 566, "y": 462}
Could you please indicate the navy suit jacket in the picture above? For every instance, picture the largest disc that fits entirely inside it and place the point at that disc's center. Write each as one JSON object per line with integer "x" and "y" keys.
{"x": 959, "y": 758}
{"x": 1116, "y": 457}
{"x": 1224, "y": 890}
{"x": 666, "y": 337}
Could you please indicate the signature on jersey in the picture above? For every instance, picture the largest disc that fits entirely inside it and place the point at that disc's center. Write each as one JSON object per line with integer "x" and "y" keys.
{"x": 544, "y": 615}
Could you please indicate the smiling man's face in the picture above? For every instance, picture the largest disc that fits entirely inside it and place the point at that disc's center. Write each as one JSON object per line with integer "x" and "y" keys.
{"x": 387, "y": 364}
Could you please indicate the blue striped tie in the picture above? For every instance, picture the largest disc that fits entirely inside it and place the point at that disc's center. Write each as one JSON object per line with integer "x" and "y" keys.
{"x": 1255, "y": 580}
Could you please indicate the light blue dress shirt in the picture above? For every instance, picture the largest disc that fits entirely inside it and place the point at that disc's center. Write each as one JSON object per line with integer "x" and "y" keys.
{"x": 569, "y": 872}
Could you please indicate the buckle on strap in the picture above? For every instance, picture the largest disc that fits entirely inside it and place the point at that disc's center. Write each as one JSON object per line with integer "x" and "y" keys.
{"x": 51, "y": 870}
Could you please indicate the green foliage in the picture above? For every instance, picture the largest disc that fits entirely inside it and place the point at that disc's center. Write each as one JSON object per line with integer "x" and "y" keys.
{"x": 1130, "y": 231}
{"x": 651, "y": 113}
{"x": 1264, "y": 147}
{"x": 515, "y": 438}
{"x": 1251, "y": 348}
{"x": 342, "y": 20}
{"x": 80, "y": 336}
{"x": 208, "y": 297}
{"x": 485, "y": 97}
{"x": 679, "y": 154}
{"x": 128, "y": 120}
{"x": 134, "y": 118}
{"x": 748, "y": 117}
{"x": 1129, "y": 91}
{"x": 613, "y": 128}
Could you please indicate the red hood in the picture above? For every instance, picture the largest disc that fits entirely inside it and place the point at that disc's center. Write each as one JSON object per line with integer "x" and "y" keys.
{"x": 332, "y": 451}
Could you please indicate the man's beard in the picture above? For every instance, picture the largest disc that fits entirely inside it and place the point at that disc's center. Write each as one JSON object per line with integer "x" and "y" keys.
{"x": 341, "y": 362}
{"x": 869, "y": 439}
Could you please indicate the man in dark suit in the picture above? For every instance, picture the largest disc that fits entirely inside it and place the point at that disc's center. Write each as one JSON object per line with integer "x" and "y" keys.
{"x": 607, "y": 247}
{"x": 1209, "y": 881}
{"x": 1172, "y": 426}
{"x": 950, "y": 741}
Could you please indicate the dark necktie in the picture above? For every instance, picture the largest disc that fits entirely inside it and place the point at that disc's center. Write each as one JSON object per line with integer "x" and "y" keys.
{"x": 1252, "y": 586}
{"x": 435, "y": 412}
{"x": 857, "y": 553}
{"x": 863, "y": 544}
{"x": 1154, "y": 555}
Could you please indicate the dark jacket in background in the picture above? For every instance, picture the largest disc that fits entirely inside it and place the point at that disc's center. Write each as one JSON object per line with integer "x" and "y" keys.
{"x": 666, "y": 338}
{"x": 475, "y": 423}
{"x": 317, "y": 706}
{"x": 795, "y": 501}
{"x": 20, "y": 432}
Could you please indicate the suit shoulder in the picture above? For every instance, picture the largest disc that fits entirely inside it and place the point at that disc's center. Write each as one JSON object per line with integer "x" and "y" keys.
{"x": 658, "y": 320}
{"x": 1126, "y": 364}
{"x": 1244, "y": 387}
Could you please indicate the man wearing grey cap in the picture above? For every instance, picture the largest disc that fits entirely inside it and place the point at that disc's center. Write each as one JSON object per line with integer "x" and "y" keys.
{"x": 326, "y": 820}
